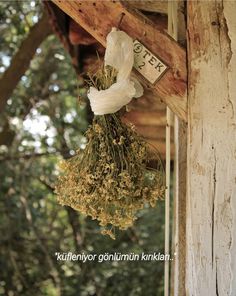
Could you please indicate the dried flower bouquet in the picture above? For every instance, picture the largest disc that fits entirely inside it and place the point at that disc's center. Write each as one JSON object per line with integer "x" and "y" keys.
{"x": 110, "y": 180}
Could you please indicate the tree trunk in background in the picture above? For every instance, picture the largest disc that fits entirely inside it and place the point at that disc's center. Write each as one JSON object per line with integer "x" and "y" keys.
{"x": 21, "y": 61}
{"x": 211, "y": 166}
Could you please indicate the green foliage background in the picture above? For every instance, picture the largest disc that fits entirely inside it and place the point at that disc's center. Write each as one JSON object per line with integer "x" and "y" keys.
{"x": 42, "y": 123}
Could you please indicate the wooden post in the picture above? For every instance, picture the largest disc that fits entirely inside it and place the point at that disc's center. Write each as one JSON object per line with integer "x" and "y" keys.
{"x": 179, "y": 267}
{"x": 172, "y": 31}
{"x": 211, "y": 166}
{"x": 180, "y": 169}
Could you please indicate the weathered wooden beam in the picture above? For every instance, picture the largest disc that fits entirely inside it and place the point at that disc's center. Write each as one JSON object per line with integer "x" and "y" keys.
{"x": 176, "y": 27}
{"x": 98, "y": 17}
{"x": 147, "y": 102}
{"x": 147, "y": 5}
{"x": 211, "y": 174}
{"x": 179, "y": 239}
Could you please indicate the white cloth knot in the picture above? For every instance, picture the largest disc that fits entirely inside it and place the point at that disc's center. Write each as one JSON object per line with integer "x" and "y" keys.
{"x": 119, "y": 54}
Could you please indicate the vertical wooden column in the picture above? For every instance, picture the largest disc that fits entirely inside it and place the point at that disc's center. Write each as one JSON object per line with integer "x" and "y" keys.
{"x": 211, "y": 166}
{"x": 177, "y": 30}
{"x": 172, "y": 31}
{"x": 179, "y": 267}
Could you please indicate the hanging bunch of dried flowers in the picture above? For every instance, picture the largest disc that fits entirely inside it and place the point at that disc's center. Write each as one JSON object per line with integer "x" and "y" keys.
{"x": 110, "y": 180}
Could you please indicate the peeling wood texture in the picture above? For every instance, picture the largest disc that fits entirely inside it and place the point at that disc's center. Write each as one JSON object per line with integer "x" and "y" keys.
{"x": 98, "y": 17}
{"x": 211, "y": 186}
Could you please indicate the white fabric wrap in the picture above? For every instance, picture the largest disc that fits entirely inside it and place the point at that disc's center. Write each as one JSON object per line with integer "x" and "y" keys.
{"x": 119, "y": 55}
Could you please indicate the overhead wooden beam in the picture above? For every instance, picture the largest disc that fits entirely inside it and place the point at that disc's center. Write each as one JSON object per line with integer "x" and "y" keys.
{"x": 98, "y": 17}
{"x": 147, "y": 5}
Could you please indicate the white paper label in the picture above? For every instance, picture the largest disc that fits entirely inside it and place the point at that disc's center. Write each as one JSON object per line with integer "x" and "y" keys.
{"x": 146, "y": 63}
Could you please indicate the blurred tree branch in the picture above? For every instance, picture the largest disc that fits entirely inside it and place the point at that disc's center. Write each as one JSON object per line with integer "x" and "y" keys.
{"x": 21, "y": 60}
{"x": 30, "y": 155}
